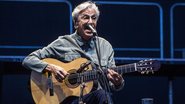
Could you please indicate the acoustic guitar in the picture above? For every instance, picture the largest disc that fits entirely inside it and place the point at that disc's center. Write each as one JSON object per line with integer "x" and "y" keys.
{"x": 79, "y": 70}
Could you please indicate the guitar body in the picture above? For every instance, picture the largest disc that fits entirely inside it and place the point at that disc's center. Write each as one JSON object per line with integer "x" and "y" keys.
{"x": 62, "y": 90}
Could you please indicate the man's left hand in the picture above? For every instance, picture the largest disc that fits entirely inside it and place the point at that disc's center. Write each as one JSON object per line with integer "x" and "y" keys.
{"x": 114, "y": 77}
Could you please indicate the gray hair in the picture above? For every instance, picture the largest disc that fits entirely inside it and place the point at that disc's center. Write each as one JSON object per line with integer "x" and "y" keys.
{"x": 84, "y": 6}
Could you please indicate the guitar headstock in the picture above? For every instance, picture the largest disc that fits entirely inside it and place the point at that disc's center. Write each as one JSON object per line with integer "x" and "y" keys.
{"x": 147, "y": 66}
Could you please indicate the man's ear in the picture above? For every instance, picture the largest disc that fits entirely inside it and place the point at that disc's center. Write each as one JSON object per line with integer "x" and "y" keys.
{"x": 76, "y": 24}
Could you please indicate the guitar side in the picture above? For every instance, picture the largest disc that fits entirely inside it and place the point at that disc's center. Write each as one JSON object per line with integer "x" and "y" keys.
{"x": 39, "y": 85}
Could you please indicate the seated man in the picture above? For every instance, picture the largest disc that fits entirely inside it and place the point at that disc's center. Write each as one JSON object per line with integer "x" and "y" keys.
{"x": 84, "y": 43}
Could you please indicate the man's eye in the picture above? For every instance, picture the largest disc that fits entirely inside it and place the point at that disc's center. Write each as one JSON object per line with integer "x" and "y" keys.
{"x": 86, "y": 17}
{"x": 94, "y": 17}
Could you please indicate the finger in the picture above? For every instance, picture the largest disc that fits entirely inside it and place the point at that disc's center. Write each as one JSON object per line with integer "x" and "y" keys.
{"x": 113, "y": 80}
{"x": 117, "y": 75}
{"x": 60, "y": 75}
{"x": 61, "y": 70}
{"x": 58, "y": 78}
{"x": 55, "y": 72}
{"x": 118, "y": 78}
{"x": 64, "y": 73}
{"x": 114, "y": 72}
{"x": 110, "y": 72}
{"x": 109, "y": 77}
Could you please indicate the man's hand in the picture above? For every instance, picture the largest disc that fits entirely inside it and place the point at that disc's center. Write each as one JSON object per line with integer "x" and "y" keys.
{"x": 58, "y": 72}
{"x": 114, "y": 77}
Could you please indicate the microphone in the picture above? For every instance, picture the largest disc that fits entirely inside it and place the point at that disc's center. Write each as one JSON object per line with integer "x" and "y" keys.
{"x": 92, "y": 29}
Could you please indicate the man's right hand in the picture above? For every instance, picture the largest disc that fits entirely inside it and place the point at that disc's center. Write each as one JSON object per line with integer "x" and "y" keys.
{"x": 58, "y": 72}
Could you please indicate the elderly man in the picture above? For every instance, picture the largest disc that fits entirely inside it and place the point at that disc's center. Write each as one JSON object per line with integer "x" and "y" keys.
{"x": 84, "y": 43}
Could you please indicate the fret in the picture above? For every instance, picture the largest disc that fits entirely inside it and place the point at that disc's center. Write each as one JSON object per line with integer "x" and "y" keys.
{"x": 125, "y": 71}
{"x": 79, "y": 77}
{"x": 135, "y": 66}
{"x": 85, "y": 79}
{"x": 95, "y": 75}
{"x": 90, "y": 75}
{"x": 120, "y": 69}
{"x": 130, "y": 68}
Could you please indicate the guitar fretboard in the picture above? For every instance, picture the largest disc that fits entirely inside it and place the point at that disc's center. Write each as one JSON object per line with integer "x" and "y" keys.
{"x": 126, "y": 68}
{"x": 95, "y": 74}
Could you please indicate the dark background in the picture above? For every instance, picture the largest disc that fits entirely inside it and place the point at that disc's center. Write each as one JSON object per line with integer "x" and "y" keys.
{"x": 132, "y": 29}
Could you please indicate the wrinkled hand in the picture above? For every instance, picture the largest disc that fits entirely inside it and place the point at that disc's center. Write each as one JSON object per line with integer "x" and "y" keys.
{"x": 114, "y": 77}
{"x": 59, "y": 73}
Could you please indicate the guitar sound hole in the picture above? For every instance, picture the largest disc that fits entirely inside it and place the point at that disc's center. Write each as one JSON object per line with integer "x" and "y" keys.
{"x": 72, "y": 78}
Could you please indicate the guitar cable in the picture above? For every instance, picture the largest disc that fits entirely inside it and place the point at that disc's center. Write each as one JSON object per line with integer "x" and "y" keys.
{"x": 50, "y": 84}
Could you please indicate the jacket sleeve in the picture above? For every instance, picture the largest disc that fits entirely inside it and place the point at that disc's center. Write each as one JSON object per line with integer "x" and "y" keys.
{"x": 34, "y": 60}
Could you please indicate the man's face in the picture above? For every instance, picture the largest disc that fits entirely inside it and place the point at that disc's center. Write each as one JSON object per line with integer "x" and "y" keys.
{"x": 87, "y": 16}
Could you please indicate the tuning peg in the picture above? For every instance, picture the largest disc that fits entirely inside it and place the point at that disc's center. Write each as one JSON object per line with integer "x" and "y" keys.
{"x": 142, "y": 72}
{"x": 152, "y": 72}
{"x": 147, "y": 72}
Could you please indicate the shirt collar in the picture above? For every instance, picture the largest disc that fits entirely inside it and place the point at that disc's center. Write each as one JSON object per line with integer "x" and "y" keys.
{"x": 82, "y": 42}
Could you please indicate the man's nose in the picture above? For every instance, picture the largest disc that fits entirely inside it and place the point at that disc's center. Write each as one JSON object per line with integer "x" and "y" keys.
{"x": 90, "y": 20}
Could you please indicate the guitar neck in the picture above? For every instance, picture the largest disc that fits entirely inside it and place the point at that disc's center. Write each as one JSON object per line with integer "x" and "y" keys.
{"x": 126, "y": 68}
{"x": 95, "y": 74}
